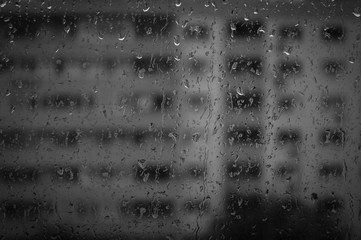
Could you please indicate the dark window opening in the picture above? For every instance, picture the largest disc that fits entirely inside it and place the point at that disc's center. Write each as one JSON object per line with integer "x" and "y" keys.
{"x": 336, "y": 137}
{"x": 250, "y": 65}
{"x": 245, "y": 135}
{"x": 153, "y": 173}
{"x": 195, "y": 205}
{"x": 65, "y": 174}
{"x": 151, "y": 65}
{"x": 248, "y": 100}
{"x": 333, "y": 33}
{"x": 148, "y": 209}
{"x": 289, "y": 136}
{"x": 18, "y": 174}
{"x": 331, "y": 170}
{"x": 243, "y": 29}
{"x": 329, "y": 206}
{"x": 244, "y": 170}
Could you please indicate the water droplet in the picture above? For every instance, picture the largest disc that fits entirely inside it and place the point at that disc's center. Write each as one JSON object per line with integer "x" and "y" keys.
{"x": 234, "y": 65}
{"x": 186, "y": 83}
{"x": 146, "y": 9}
{"x": 141, "y": 73}
{"x": 95, "y": 90}
{"x": 285, "y": 52}
{"x": 351, "y": 60}
{"x": 8, "y": 93}
{"x": 100, "y": 35}
{"x": 67, "y": 29}
{"x": 196, "y": 137}
{"x": 255, "y": 12}
{"x": 178, "y": 57}
{"x": 357, "y": 12}
{"x": 149, "y": 31}
{"x": 60, "y": 171}
{"x": 185, "y": 23}
{"x": 20, "y": 84}
{"x": 3, "y": 3}
{"x": 233, "y": 27}
{"x": 206, "y": 4}
{"x": 260, "y": 30}
{"x": 122, "y": 38}
{"x": 12, "y": 109}
{"x": 142, "y": 163}
{"x": 239, "y": 91}
{"x": 273, "y": 32}
{"x": 174, "y": 136}
{"x": 178, "y": 3}
{"x": 176, "y": 40}
{"x": 139, "y": 56}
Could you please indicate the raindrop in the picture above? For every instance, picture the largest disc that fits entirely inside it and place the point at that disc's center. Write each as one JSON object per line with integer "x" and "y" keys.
{"x": 185, "y": 23}
{"x": 239, "y": 91}
{"x": 60, "y": 171}
{"x": 206, "y": 4}
{"x": 149, "y": 31}
{"x": 178, "y": 3}
{"x": 12, "y": 109}
{"x": 146, "y": 9}
{"x": 286, "y": 52}
{"x": 196, "y": 137}
{"x": 351, "y": 60}
{"x": 186, "y": 83}
{"x": 233, "y": 27}
{"x": 178, "y": 57}
{"x": 272, "y": 33}
{"x": 357, "y": 12}
{"x": 3, "y": 4}
{"x": 255, "y": 12}
{"x": 234, "y": 66}
{"x": 141, "y": 73}
{"x": 95, "y": 90}
{"x": 176, "y": 40}
{"x": 260, "y": 30}
{"x": 139, "y": 56}
{"x": 8, "y": 93}
{"x": 67, "y": 29}
{"x": 121, "y": 38}
{"x": 20, "y": 84}
{"x": 142, "y": 163}
{"x": 100, "y": 36}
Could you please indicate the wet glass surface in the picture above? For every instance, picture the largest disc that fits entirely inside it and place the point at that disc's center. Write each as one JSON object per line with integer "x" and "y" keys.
{"x": 180, "y": 119}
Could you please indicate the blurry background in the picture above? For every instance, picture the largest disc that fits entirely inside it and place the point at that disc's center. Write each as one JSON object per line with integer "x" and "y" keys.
{"x": 180, "y": 119}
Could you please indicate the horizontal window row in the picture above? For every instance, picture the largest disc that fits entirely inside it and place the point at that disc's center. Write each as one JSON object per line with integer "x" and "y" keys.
{"x": 18, "y": 139}
{"x": 149, "y": 173}
{"x": 254, "y": 135}
{"x": 30, "y": 26}
{"x": 238, "y": 204}
{"x": 137, "y": 103}
{"x": 115, "y": 25}
{"x": 148, "y": 65}
{"x": 145, "y": 64}
{"x": 247, "y": 28}
{"x": 30, "y": 210}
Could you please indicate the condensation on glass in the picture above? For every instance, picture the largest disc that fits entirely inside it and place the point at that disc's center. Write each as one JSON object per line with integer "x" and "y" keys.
{"x": 180, "y": 119}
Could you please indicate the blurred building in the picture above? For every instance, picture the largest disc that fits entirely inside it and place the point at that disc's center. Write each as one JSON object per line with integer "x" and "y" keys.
{"x": 180, "y": 119}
